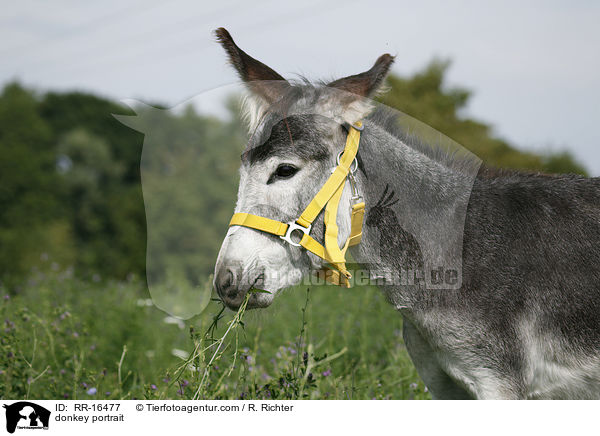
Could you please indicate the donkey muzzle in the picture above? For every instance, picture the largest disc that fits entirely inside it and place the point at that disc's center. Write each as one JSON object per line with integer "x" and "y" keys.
{"x": 232, "y": 284}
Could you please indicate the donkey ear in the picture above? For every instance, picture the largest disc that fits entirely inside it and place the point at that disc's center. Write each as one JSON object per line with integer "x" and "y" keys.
{"x": 261, "y": 79}
{"x": 368, "y": 83}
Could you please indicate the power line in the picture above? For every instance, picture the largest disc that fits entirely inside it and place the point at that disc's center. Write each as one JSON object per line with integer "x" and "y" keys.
{"x": 135, "y": 39}
{"x": 195, "y": 46}
{"x": 86, "y": 27}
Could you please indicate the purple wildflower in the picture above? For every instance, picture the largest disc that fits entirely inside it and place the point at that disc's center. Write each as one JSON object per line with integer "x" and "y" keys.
{"x": 326, "y": 373}
{"x": 92, "y": 391}
{"x": 153, "y": 387}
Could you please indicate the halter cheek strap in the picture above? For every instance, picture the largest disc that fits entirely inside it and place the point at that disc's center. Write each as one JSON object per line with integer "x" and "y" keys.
{"x": 328, "y": 197}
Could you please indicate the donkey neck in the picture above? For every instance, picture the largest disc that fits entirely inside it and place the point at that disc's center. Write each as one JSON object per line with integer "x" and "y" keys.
{"x": 416, "y": 205}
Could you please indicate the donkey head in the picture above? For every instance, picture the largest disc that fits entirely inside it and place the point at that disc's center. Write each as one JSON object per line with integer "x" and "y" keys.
{"x": 297, "y": 131}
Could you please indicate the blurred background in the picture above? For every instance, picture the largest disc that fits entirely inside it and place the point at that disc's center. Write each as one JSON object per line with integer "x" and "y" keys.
{"x": 515, "y": 82}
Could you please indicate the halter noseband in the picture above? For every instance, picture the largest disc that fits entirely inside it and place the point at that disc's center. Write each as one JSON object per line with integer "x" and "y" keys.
{"x": 328, "y": 197}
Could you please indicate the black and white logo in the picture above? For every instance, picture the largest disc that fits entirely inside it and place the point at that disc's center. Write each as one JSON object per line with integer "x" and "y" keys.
{"x": 26, "y": 415}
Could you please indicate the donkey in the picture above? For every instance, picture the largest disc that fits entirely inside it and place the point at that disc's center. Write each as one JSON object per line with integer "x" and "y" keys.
{"x": 524, "y": 320}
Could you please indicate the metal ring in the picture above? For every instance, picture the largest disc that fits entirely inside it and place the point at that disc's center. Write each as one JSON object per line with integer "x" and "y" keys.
{"x": 292, "y": 227}
{"x": 353, "y": 166}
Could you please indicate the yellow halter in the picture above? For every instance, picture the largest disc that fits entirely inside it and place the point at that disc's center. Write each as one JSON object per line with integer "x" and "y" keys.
{"x": 328, "y": 197}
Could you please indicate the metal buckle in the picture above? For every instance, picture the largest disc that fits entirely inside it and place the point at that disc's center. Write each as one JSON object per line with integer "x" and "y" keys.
{"x": 356, "y": 197}
{"x": 292, "y": 227}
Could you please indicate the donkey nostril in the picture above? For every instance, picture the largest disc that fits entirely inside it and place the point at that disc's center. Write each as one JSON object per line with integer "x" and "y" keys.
{"x": 228, "y": 280}
{"x": 224, "y": 282}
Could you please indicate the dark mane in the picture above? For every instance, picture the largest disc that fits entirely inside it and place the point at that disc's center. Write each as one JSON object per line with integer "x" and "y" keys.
{"x": 456, "y": 156}
{"x": 445, "y": 151}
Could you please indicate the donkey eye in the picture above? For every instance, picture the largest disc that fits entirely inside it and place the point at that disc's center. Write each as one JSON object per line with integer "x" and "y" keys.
{"x": 283, "y": 171}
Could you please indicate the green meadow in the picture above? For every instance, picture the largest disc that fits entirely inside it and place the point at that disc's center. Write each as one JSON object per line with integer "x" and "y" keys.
{"x": 64, "y": 338}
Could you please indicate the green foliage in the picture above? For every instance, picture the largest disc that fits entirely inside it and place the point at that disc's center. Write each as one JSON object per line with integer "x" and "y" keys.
{"x": 29, "y": 199}
{"x": 65, "y": 338}
{"x": 69, "y": 185}
{"x": 102, "y": 198}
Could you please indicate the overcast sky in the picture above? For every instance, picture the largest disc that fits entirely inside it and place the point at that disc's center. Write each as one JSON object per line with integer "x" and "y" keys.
{"x": 534, "y": 66}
